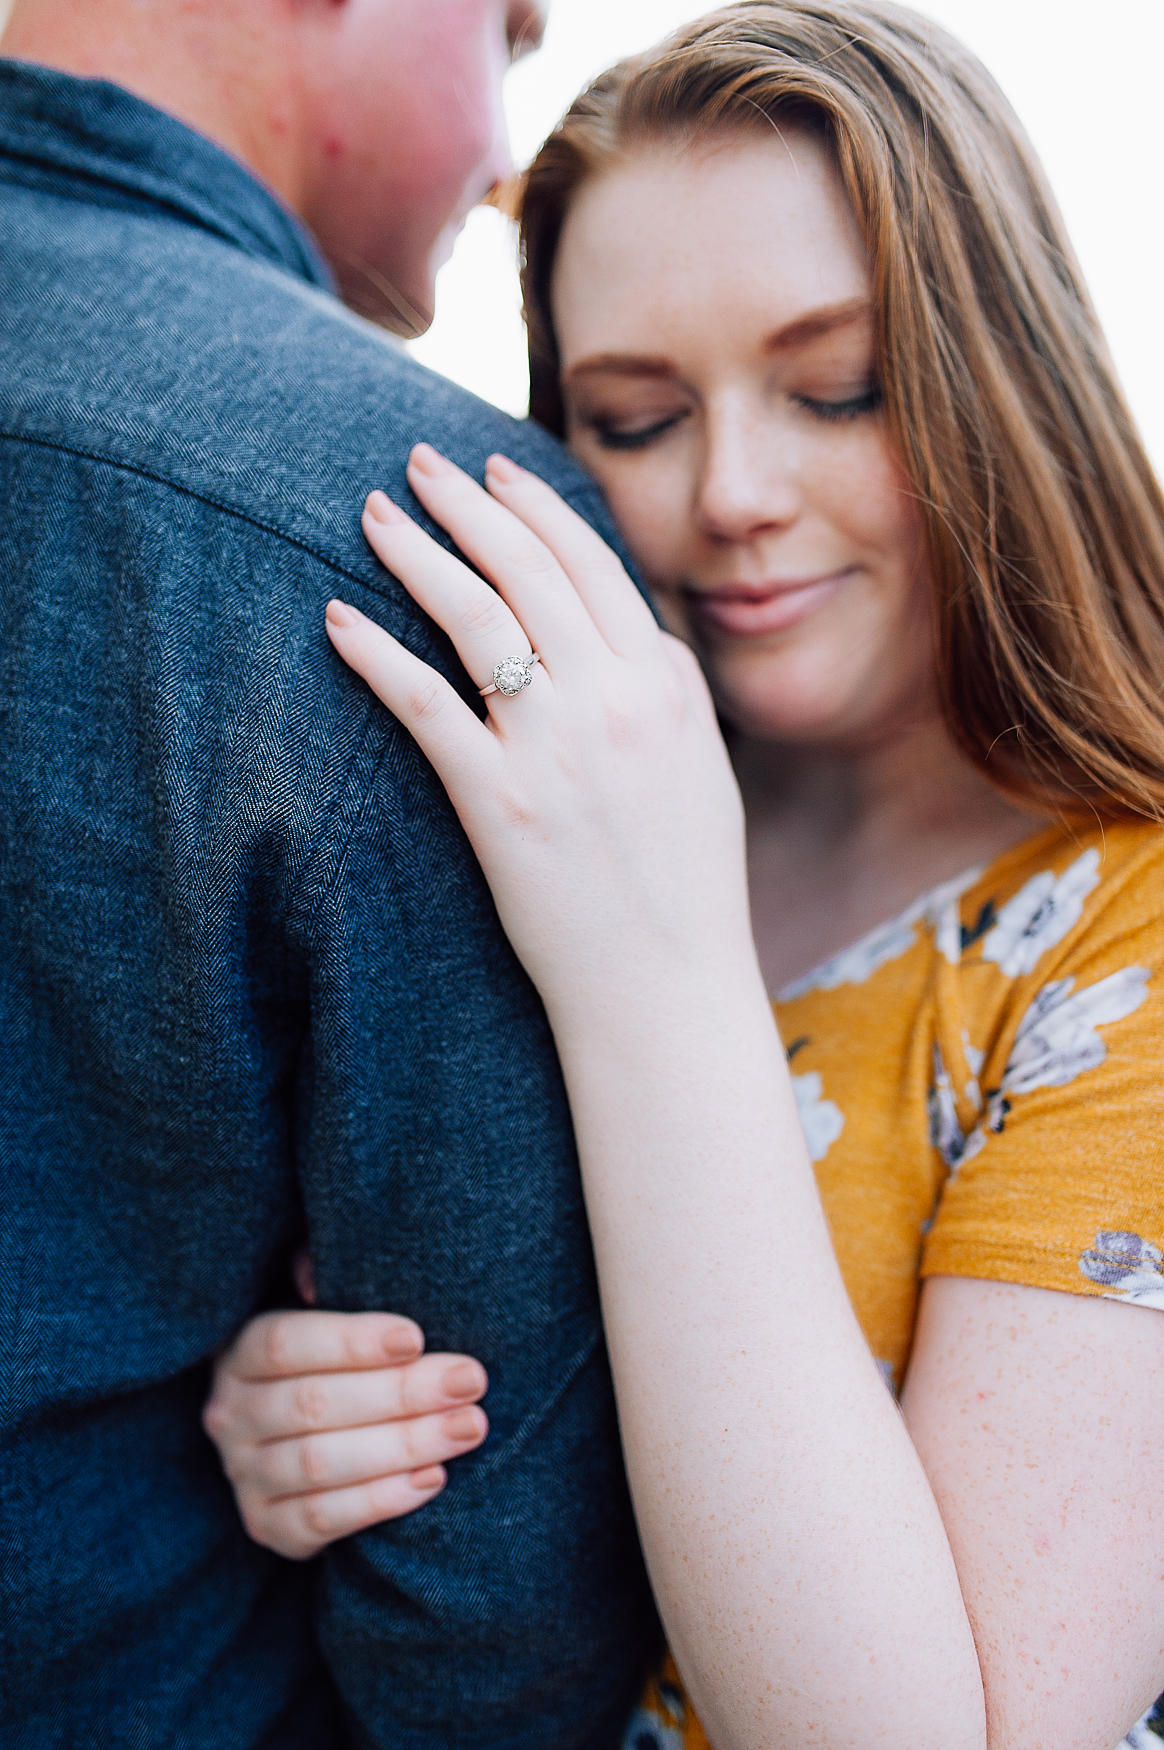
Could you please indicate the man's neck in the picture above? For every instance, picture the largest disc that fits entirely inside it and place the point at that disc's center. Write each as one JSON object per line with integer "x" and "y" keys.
{"x": 228, "y": 68}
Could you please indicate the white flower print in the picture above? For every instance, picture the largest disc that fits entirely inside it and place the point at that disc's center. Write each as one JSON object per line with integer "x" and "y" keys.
{"x": 1057, "y": 1040}
{"x": 1040, "y": 915}
{"x": 1126, "y": 1267}
{"x": 946, "y": 1132}
{"x": 647, "y": 1731}
{"x": 1146, "y": 1733}
{"x": 853, "y": 965}
{"x": 946, "y": 920}
{"x": 821, "y": 1120}
{"x": 974, "y": 1059}
{"x": 661, "y": 1727}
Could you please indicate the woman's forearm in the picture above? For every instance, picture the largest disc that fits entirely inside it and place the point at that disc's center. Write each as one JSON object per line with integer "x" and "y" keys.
{"x": 799, "y": 1559}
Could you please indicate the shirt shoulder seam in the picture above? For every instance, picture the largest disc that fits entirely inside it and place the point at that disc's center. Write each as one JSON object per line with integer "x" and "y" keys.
{"x": 570, "y": 494}
{"x": 174, "y": 485}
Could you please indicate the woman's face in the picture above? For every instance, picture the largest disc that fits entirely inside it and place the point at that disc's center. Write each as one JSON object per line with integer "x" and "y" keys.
{"x": 712, "y": 308}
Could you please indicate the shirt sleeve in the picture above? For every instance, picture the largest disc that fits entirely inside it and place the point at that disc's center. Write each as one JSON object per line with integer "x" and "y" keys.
{"x": 1062, "y": 1184}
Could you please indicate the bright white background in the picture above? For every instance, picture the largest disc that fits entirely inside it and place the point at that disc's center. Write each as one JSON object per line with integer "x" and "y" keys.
{"x": 1084, "y": 78}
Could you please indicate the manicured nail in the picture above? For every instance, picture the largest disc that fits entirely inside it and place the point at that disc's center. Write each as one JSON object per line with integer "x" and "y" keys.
{"x": 382, "y": 510}
{"x": 465, "y": 1380}
{"x": 402, "y": 1343}
{"x": 430, "y": 1478}
{"x": 426, "y": 460}
{"x": 462, "y": 1425}
{"x": 339, "y": 614}
{"x": 503, "y": 469}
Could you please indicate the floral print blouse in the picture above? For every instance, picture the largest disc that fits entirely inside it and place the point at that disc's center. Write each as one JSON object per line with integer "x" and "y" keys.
{"x": 981, "y": 1085}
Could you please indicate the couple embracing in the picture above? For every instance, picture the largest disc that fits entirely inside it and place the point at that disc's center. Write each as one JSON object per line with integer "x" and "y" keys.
{"x": 714, "y": 1024}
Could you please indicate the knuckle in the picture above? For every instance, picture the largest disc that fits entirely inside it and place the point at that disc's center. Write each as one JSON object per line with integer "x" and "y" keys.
{"x": 606, "y": 566}
{"x": 426, "y": 700}
{"x": 414, "y": 1389}
{"x": 415, "y": 1437}
{"x": 533, "y": 561}
{"x": 277, "y": 1344}
{"x": 310, "y": 1402}
{"x": 482, "y": 613}
{"x": 516, "y": 811}
{"x": 314, "y": 1461}
{"x": 316, "y": 1518}
{"x": 623, "y": 725}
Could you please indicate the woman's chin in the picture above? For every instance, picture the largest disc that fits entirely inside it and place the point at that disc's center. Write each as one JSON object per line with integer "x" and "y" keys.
{"x": 790, "y": 701}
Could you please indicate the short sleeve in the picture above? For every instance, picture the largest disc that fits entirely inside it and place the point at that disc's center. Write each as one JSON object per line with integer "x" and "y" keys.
{"x": 1062, "y": 1183}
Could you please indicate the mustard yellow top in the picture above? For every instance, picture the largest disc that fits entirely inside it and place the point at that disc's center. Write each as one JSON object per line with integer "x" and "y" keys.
{"x": 981, "y": 1084}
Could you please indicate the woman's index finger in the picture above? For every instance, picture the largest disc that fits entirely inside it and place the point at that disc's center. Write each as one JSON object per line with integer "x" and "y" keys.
{"x": 282, "y": 1345}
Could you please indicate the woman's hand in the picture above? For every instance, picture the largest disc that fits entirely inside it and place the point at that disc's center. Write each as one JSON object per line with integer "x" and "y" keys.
{"x": 330, "y": 1422}
{"x": 600, "y": 799}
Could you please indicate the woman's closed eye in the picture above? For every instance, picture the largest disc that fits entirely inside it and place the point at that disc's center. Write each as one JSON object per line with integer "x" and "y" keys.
{"x": 850, "y": 407}
{"x": 634, "y": 434}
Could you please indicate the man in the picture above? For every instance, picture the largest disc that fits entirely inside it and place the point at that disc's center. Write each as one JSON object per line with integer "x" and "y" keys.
{"x": 253, "y": 988}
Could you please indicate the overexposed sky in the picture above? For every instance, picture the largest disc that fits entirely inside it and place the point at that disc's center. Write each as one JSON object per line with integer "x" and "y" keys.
{"x": 1084, "y": 79}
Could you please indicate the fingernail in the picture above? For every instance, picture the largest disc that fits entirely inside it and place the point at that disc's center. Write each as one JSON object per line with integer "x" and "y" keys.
{"x": 427, "y": 461}
{"x": 381, "y": 508}
{"x": 503, "y": 469}
{"x": 339, "y": 614}
{"x": 403, "y": 1343}
{"x": 431, "y": 1477}
{"x": 465, "y": 1380}
{"x": 462, "y": 1425}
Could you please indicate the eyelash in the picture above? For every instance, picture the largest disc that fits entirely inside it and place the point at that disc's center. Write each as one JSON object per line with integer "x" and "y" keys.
{"x": 853, "y": 408}
{"x": 832, "y": 412}
{"x": 611, "y": 438}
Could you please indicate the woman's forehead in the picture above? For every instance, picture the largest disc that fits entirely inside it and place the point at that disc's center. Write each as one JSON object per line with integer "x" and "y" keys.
{"x": 753, "y": 230}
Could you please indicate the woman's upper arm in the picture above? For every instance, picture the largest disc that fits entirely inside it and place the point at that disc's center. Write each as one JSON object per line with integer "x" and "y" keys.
{"x": 1039, "y": 1417}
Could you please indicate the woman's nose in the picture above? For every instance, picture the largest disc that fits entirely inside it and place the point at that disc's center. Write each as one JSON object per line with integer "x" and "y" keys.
{"x": 749, "y": 482}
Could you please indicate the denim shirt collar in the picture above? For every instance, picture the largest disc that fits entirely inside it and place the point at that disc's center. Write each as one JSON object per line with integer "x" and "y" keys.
{"x": 96, "y": 141}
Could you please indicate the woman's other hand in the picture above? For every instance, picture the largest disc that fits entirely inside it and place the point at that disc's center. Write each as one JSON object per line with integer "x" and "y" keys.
{"x": 330, "y": 1422}
{"x": 600, "y": 800}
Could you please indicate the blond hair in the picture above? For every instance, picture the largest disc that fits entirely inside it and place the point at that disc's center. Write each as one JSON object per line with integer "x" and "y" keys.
{"x": 1043, "y": 519}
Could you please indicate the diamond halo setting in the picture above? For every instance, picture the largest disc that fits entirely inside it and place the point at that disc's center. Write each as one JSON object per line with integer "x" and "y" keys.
{"x": 512, "y": 675}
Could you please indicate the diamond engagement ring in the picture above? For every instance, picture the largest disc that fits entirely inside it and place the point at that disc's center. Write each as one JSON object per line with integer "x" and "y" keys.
{"x": 511, "y": 676}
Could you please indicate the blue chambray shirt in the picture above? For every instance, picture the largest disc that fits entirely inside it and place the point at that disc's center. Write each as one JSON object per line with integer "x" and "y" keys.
{"x": 252, "y": 987}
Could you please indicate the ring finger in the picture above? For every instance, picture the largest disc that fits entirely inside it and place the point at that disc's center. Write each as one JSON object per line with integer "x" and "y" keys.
{"x": 484, "y": 629}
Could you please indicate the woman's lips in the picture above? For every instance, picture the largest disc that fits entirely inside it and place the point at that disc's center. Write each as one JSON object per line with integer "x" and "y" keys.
{"x": 753, "y": 610}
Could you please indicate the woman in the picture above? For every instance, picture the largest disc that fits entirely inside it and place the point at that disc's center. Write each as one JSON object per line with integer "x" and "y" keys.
{"x": 798, "y": 297}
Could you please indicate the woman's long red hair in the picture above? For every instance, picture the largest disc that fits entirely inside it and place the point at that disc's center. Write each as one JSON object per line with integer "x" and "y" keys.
{"x": 1044, "y": 521}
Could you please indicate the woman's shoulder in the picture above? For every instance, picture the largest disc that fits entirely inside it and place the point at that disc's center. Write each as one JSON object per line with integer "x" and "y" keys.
{"x": 1070, "y": 890}
{"x": 1047, "y": 1089}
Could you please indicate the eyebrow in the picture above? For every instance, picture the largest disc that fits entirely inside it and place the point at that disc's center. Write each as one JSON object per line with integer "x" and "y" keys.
{"x": 805, "y": 328}
{"x": 818, "y": 322}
